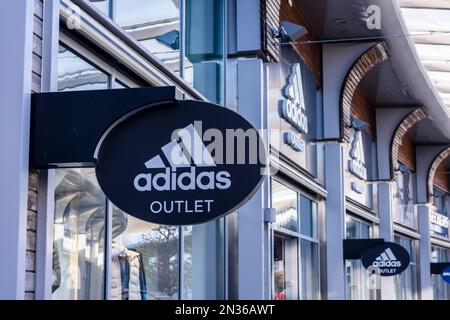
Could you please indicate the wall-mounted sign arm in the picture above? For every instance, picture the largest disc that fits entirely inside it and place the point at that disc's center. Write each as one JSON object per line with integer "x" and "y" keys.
{"x": 67, "y": 126}
{"x": 438, "y": 267}
{"x": 354, "y": 248}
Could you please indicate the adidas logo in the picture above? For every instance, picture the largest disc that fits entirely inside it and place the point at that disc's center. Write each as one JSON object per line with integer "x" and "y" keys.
{"x": 189, "y": 154}
{"x": 387, "y": 259}
{"x": 293, "y": 109}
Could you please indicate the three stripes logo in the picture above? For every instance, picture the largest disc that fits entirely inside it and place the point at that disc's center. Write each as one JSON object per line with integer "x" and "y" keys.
{"x": 188, "y": 154}
{"x": 387, "y": 259}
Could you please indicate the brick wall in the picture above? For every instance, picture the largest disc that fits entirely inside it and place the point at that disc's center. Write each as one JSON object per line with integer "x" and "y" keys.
{"x": 311, "y": 54}
{"x": 363, "y": 110}
{"x": 33, "y": 175}
{"x": 441, "y": 178}
{"x": 432, "y": 174}
{"x": 401, "y": 145}
{"x": 407, "y": 153}
{"x": 363, "y": 65}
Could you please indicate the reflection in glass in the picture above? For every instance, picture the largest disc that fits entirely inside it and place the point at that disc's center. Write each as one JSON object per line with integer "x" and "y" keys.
{"x": 441, "y": 289}
{"x": 308, "y": 217}
{"x": 155, "y": 24}
{"x": 144, "y": 258}
{"x": 406, "y": 282}
{"x": 102, "y": 5}
{"x": 78, "y": 247}
{"x": 285, "y": 265}
{"x": 74, "y": 73}
{"x": 203, "y": 261}
{"x": 403, "y": 202}
{"x": 204, "y": 60}
{"x": 310, "y": 266}
{"x": 356, "y": 276}
{"x": 284, "y": 201}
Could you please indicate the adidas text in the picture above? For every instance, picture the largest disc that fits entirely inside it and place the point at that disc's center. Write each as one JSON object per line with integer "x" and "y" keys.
{"x": 188, "y": 180}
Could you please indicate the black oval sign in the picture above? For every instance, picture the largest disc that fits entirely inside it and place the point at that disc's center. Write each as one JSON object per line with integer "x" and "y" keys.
{"x": 387, "y": 259}
{"x": 180, "y": 163}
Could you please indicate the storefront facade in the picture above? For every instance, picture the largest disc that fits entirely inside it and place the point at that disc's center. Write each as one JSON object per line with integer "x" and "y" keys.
{"x": 344, "y": 164}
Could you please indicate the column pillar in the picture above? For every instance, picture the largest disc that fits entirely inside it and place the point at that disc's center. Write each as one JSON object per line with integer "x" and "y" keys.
{"x": 16, "y": 35}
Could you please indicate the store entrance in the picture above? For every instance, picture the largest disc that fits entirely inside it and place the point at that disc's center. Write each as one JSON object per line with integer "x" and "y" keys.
{"x": 285, "y": 266}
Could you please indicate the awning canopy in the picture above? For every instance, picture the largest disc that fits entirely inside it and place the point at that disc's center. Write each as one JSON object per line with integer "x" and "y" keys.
{"x": 428, "y": 23}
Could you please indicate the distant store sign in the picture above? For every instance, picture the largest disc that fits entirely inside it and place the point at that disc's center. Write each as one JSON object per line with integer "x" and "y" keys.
{"x": 180, "y": 164}
{"x": 357, "y": 163}
{"x": 388, "y": 259}
{"x": 446, "y": 274}
{"x": 439, "y": 223}
{"x": 293, "y": 109}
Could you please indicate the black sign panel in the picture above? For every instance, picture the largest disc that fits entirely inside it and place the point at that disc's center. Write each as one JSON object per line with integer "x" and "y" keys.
{"x": 180, "y": 163}
{"x": 387, "y": 259}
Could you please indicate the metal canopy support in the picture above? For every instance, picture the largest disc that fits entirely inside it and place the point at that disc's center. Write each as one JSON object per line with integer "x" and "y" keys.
{"x": 67, "y": 126}
{"x": 387, "y": 122}
{"x": 354, "y": 248}
{"x": 338, "y": 59}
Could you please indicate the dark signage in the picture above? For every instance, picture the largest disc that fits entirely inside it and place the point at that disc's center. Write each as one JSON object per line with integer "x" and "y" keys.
{"x": 180, "y": 163}
{"x": 446, "y": 274}
{"x": 386, "y": 259}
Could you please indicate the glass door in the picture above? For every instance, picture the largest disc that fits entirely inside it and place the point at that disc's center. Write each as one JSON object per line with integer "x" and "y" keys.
{"x": 285, "y": 265}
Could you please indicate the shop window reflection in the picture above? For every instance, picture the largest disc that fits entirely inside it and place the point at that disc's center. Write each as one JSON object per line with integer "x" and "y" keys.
{"x": 155, "y": 24}
{"x": 284, "y": 202}
{"x": 74, "y": 73}
{"x": 79, "y": 246}
{"x": 406, "y": 282}
{"x": 102, "y": 5}
{"x": 441, "y": 290}
{"x": 144, "y": 260}
{"x": 404, "y": 196}
{"x": 356, "y": 276}
{"x": 285, "y": 268}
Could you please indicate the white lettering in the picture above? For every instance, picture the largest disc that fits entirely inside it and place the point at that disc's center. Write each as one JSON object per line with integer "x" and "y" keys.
{"x": 189, "y": 180}
{"x": 181, "y": 206}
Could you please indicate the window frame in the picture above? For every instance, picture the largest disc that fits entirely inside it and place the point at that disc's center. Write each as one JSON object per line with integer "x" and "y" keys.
{"x": 298, "y": 237}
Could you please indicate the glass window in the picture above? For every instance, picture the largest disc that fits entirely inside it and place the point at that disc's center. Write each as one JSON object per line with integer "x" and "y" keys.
{"x": 204, "y": 261}
{"x": 310, "y": 266}
{"x": 406, "y": 282}
{"x": 404, "y": 196}
{"x": 102, "y": 5}
{"x": 75, "y": 73}
{"x": 357, "y": 277}
{"x": 79, "y": 238}
{"x": 441, "y": 289}
{"x": 308, "y": 217}
{"x": 284, "y": 201}
{"x": 205, "y": 47}
{"x": 285, "y": 264}
{"x": 155, "y": 24}
{"x": 144, "y": 259}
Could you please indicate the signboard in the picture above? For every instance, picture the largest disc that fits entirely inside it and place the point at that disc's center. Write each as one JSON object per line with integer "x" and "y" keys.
{"x": 446, "y": 274}
{"x": 439, "y": 224}
{"x": 388, "y": 259}
{"x": 293, "y": 109}
{"x": 180, "y": 163}
{"x": 357, "y": 163}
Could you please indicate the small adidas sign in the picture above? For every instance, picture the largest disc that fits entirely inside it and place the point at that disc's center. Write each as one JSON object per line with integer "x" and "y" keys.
{"x": 189, "y": 153}
{"x": 387, "y": 259}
